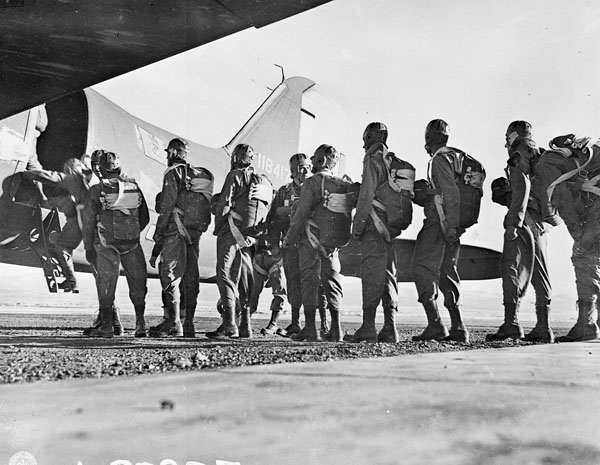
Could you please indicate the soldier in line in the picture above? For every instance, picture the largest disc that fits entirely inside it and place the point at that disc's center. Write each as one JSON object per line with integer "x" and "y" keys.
{"x": 383, "y": 210}
{"x": 113, "y": 218}
{"x": 278, "y": 223}
{"x": 570, "y": 172}
{"x": 524, "y": 256}
{"x": 241, "y": 208}
{"x": 184, "y": 214}
{"x": 319, "y": 227}
{"x": 451, "y": 199}
{"x": 75, "y": 180}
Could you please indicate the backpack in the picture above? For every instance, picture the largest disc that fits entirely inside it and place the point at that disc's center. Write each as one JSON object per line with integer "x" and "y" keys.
{"x": 252, "y": 205}
{"x": 469, "y": 175}
{"x": 332, "y": 217}
{"x": 393, "y": 198}
{"x": 194, "y": 200}
{"x": 118, "y": 221}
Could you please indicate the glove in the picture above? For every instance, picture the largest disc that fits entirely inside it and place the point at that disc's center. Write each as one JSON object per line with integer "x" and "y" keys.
{"x": 510, "y": 234}
{"x": 153, "y": 261}
{"x": 91, "y": 256}
{"x": 451, "y": 235}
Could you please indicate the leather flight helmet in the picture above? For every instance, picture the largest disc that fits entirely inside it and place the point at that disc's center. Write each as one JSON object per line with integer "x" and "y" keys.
{"x": 296, "y": 161}
{"x": 326, "y": 156}
{"x": 375, "y": 132}
{"x": 436, "y": 132}
{"x": 109, "y": 162}
{"x": 518, "y": 129}
{"x": 178, "y": 148}
{"x": 242, "y": 156}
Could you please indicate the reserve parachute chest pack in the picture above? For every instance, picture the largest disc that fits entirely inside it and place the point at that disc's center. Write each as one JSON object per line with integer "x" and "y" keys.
{"x": 331, "y": 220}
{"x": 192, "y": 208}
{"x": 118, "y": 221}
{"x": 393, "y": 198}
{"x": 252, "y": 204}
{"x": 469, "y": 176}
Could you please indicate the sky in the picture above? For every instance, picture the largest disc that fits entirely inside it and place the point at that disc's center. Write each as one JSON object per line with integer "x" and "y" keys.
{"x": 477, "y": 64}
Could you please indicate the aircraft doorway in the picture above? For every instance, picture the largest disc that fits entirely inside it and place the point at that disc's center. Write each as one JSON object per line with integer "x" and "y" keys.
{"x": 66, "y": 134}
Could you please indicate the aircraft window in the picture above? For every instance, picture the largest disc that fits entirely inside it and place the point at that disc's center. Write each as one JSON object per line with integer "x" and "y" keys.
{"x": 12, "y": 138}
{"x": 152, "y": 146}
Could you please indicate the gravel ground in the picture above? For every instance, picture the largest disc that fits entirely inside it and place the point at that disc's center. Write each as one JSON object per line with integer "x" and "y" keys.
{"x": 50, "y": 347}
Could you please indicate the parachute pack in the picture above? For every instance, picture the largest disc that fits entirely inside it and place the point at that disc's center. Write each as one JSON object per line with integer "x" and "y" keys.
{"x": 252, "y": 206}
{"x": 469, "y": 177}
{"x": 331, "y": 220}
{"x": 393, "y": 199}
{"x": 118, "y": 221}
{"x": 192, "y": 208}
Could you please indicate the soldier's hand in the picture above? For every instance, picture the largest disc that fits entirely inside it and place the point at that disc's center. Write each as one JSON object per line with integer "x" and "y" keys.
{"x": 153, "y": 261}
{"x": 451, "y": 235}
{"x": 510, "y": 234}
{"x": 91, "y": 256}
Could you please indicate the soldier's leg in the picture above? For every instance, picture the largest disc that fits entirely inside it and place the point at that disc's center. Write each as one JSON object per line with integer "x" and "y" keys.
{"x": 540, "y": 280}
{"x": 427, "y": 262}
{"x": 227, "y": 254}
{"x": 373, "y": 271}
{"x": 190, "y": 288}
{"x": 277, "y": 281}
{"x": 172, "y": 268}
{"x": 134, "y": 266}
{"x": 516, "y": 269}
{"x": 291, "y": 268}
{"x": 332, "y": 284}
{"x": 450, "y": 288}
{"x": 310, "y": 270}
{"x": 389, "y": 332}
{"x": 587, "y": 278}
{"x": 323, "y": 307}
{"x": 107, "y": 266}
{"x": 246, "y": 283}
{"x": 259, "y": 277}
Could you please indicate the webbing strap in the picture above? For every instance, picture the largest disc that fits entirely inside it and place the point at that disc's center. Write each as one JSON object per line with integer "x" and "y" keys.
{"x": 314, "y": 240}
{"x": 177, "y": 213}
{"x": 438, "y": 200}
{"x": 590, "y": 185}
{"x": 567, "y": 175}
{"x": 380, "y": 226}
{"x": 237, "y": 235}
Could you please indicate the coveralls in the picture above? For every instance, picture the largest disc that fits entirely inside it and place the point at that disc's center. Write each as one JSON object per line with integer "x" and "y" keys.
{"x": 179, "y": 273}
{"x": 278, "y": 224}
{"x": 234, "y": 261}
{"x": 435, "y": 260}
{"x": 315, "y": 267}
{"x": 579, "y": 207}
{"x": 524, "y": 259}
{"x": 378, "y": 256}
{"x": 128, "y": 254}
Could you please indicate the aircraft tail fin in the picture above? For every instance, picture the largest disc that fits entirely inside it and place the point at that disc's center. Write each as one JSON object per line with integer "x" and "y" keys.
{"x": 274, "y": 129}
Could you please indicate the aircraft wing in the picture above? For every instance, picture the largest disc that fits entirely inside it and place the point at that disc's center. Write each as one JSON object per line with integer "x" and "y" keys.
{"x": 474, "y": 263}
{"x": 50, "y": 48}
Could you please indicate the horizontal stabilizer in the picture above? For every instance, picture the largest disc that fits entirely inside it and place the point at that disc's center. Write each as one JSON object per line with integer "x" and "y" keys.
{"x": 474, "y": 263}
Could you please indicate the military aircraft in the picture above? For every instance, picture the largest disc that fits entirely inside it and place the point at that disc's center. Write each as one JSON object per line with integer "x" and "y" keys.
{"x": 81, "y": 120}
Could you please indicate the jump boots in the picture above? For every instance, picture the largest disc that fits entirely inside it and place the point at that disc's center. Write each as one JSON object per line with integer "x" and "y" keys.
{"x": 435, "y": 329}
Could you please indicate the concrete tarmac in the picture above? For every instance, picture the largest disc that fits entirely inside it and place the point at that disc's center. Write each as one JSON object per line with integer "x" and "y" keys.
{"x": 521, "y": 405}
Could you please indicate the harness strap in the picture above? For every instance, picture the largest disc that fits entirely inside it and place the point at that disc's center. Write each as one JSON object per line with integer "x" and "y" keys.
{"x": 313, "y": 239}
{"x": 590, "y": 185}
{"x": 177, "y": 214}
{"x": 380, "y": 226}
{"x": 567, "y": 175}
{"x": 241, "y": 241}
